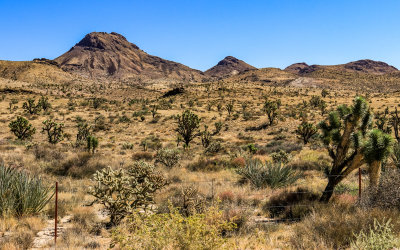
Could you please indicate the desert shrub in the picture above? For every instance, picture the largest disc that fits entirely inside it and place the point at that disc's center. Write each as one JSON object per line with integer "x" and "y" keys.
{"x": 168, "y": 157}
{"x": 188, "y": 200}
{"x": 22, "y": 128}
{"x": 100, "y": 123}
{"x": 54, "y": 131}
{"x": 218, "y": 127}
{"x": 213, "y": 148}
{"x": 151, "y": 142}
{"x": 173, "y": 231}
{"x": 122, "y": 191}
{"x": 206, "y": 165}
{"x": 21, "y": 194}
{"x": 291, "y": 204}
{"x": 127, "y": 146}
{"x": 272, "y": 175}
{"x": 205, "y": 137}
{"x": 379, "y": 237}
{"x": 276, "y": 146}
{"x": 281, "y": 157}
{"x": 386, "y": 194}
{"x": 337, "y": 226}
{"x": 142, "y": 156}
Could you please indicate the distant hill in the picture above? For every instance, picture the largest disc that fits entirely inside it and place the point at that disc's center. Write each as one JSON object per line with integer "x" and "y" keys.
{"x": 361, "y": 66}
{"x": 36, "y": 71}
{"x": 229, "y": 66}
{"x": 111, "y": 55}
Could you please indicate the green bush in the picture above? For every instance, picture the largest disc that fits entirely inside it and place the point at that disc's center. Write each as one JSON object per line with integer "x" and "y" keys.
{"x": 379, "y": 237}
{"x": 21, "y": 194}
{"x": 268, "y": 175}
{"x": 173, "y": 231}
{"x": 21, "y": 128}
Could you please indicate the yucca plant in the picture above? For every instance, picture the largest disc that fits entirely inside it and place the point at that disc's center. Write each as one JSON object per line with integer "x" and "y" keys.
{"x": 269, "y": 174}
{"x": 21, "y": 194}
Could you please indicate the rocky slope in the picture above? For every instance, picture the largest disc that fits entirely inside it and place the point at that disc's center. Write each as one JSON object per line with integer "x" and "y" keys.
{"x": 111, "y": 55}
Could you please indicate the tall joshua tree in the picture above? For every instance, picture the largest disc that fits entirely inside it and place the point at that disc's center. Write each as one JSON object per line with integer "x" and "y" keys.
{"x": 351, "y": 143}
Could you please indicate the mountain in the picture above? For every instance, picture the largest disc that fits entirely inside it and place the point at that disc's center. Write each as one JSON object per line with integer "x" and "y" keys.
{"x": 111, "y": 55}
{"x": 228, "y": 66}
{"x": 361, "y": 66}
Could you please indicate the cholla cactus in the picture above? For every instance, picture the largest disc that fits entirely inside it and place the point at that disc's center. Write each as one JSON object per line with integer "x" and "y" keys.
{"x": 168, "y": 157}
{"x": 350, "y": 143}
{"x": 122, "y": 191}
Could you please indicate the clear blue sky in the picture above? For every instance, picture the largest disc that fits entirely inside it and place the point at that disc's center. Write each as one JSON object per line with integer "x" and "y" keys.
{"x": 268, "y": 33}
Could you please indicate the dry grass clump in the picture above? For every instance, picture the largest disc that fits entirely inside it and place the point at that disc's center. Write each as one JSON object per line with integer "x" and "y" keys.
{"x": 335, "y": 226}
{"x": 19, "y": 234}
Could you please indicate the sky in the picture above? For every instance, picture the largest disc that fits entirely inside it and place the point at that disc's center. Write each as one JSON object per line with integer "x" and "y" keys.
{"x": 199, "y": 33}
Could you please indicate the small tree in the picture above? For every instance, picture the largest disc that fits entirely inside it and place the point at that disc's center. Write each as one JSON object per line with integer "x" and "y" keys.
{"x": 229, "y": 108}
{"x": 350, "y": 144}
{"x": 44, "y": 103}
{"x": 218, "y": 127}
{"x": 55, "y": 131}
{"x": 271, "y": 109}
{"x": 22, "y": 128}
{"x": 324, "y": 93}
{"x": 154, "y": 109}
{"x": 92, "y": 143}
{"x": 30, "y": 106}
{"x": 121, "y": 192}
{"x": 188, "y": 124}
{"x": 205, "y": 137}
{"x": 305, "y": 131}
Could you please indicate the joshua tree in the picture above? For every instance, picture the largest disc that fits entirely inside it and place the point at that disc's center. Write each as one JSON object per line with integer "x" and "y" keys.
{"x": 229, "y": 108}
{"x": 55, "y": 131}
{"x": 271, "y": 109}
{"x": 395, "y": 121}
{"x": 188, "y": 124}
{"x": 306, "y": 130}
{"x": 44, "y": 103}
{"x": 154, "y": 109}
{"x": 350, "y": 142}
{"x": 382, "y": 121}
{"x": 92, "y": 143}
{"x": 21, "y": 128}
{"x": 205, "y": 137}
{"x": 83, "y": 133}
{"x": 31, "y": 107}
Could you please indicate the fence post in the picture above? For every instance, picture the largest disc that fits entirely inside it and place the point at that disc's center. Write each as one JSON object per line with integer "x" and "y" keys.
{"x": 359, "y": 183}
{"x": 55, "y": 215}
{"x": 212, "y": 190}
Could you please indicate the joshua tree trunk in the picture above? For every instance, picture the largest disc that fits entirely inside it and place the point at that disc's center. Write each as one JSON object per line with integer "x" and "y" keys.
{"x": 374, "y": 174}
{"x": 328, "y": 192}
